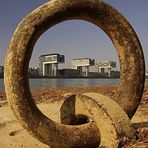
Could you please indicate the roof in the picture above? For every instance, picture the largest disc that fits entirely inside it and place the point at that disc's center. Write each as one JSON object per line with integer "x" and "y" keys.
{"x": 49, "y": 54}
{"x": 82, "y": 59}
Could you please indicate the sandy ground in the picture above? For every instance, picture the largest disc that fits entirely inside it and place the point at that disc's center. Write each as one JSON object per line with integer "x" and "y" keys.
{"x": 12, "y": 135}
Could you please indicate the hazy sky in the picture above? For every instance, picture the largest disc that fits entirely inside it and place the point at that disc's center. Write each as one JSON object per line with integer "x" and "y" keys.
{"x": 74, "y": 39}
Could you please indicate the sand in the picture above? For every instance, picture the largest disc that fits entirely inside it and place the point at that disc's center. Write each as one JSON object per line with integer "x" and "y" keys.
{"x": 12, "y": 134}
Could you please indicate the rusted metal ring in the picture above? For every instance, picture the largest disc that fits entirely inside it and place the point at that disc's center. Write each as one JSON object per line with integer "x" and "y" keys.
{"x": 114, "y": 128}
{"x": 37, "y": 22}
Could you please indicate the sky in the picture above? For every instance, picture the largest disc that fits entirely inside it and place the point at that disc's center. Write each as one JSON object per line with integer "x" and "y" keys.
{"x": 76, "y": 38}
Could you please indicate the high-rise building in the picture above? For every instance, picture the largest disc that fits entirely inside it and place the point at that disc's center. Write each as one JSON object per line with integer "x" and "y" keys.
{"x": 105, "y": 67}
{"x": 48, "y": 64}
{"x": 83, "y": 63}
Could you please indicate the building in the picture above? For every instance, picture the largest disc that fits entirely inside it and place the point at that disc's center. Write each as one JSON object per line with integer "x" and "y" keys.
{"x": 69, "y": 72}
{"x": 83, "y": 64}
{"x": 104, "y": 68}
{"x": 146, "y": 74}
{"x": 33, "y": 72}
{"x": 48, "y": 64}
{"x": 1, "y": 71}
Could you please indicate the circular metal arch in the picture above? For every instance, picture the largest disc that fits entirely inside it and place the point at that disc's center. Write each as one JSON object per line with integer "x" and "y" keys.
{"x": 35, "y": 24}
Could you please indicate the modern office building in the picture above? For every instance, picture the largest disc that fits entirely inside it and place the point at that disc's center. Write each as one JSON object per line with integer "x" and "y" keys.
{"x": 69, "y": 72}
{"x": 48, "y": 64}
{"x": 1, "y": 71}
{"x": 146, "y": 74}
{"x": 83, "y": 64}
{"x": 33, "y": 72}
{"x": 105, "y": 67}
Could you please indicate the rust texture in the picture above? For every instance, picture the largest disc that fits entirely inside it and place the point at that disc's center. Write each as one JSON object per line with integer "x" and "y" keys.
{"x": 113, "y": 123}
{"x": 20, "y": 50}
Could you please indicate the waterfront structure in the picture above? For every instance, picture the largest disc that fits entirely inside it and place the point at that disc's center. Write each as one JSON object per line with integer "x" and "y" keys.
{"x": 33, "y": 72}
{"x": 1, "y": 71}
{"x": 104, "y": 68}
{"x": 69, "y": 72}
{"x": 48, "y": 64}
{"x": 146, "y": 74}
{"x": 83, "y": 63}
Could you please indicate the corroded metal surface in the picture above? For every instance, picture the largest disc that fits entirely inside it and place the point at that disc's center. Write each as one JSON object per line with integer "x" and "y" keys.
{"x": 113, "y": 123}
{"x": 19, "y": 53}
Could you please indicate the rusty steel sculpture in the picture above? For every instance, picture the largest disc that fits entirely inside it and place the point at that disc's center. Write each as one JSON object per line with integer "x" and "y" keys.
{"x": 103, "y": 125}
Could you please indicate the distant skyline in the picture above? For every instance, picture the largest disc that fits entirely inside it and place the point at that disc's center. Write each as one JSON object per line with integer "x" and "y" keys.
{"x": 76, "y": 38}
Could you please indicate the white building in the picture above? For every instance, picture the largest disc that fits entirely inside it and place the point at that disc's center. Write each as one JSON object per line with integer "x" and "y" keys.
{"x": 48, "y": 64}
{"x": 105, "y": 67}
{"x": 83, "y": 63}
